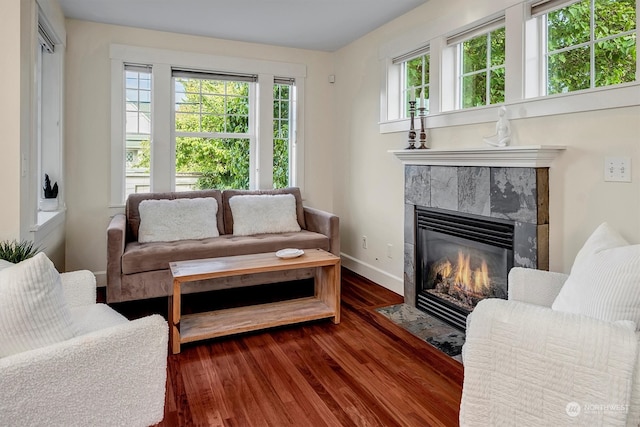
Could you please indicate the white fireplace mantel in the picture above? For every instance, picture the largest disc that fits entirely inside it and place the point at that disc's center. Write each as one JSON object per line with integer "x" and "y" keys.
{"x": 525, "y": 156}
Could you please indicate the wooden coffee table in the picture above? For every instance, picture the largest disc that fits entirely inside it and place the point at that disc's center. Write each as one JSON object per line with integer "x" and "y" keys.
{"x": 195, "y": 327}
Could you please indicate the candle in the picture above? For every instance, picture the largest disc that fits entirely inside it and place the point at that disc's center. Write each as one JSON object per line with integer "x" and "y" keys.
{"x": 412, "y": 95}
{"x": 422, "y": 104}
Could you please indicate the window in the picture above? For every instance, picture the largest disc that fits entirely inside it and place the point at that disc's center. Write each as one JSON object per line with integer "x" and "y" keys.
{"x": 48, "y": 141}
{"x": 282, "y": 124}
{"x": 212, "y": 128}
{"x": 589, "y": 44}
{"x": 204, "y": 122}
{"x": 482, "y": 69}
{"x": 137, "y": 128}
{"x": 414, "y": 79}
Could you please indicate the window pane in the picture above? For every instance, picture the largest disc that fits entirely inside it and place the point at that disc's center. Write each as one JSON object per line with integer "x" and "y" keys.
{"x": 615, "y": 61}
{"x": 217, "y": 106}
{"x": 569, "y": 26}
{"x": 416, "y": 81}
{"x": 281, "y": 140}
{"x": 614, "y": 17}
{"x": 496, "y": 93}
{"x": 497, "y": 47}
{"x": 474, "y": 54}
{"x": 137, "y": 132}
{"x": 212, "y": 163}
{"x": 569, "y": 71}
{"x": 474, "y": 90}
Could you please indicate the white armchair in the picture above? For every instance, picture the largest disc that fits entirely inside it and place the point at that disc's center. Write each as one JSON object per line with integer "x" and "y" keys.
{"x": 113, "y": 374}
{"x": 528, "y": 365}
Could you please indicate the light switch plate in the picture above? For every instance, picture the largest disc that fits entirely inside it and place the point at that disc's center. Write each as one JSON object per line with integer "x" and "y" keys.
{"x": 617, "y": 169}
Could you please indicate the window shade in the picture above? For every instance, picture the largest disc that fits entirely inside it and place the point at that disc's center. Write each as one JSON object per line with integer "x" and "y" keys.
{"x": 284, "y": 81}
{"x": 424, "y": 50}
{"x": 212, "y": 75}
{"x": 138, "y": 68}
{"x": 45, "y": 40}
{"x": 472, "y": 32}
{"x": 541, "y": 7}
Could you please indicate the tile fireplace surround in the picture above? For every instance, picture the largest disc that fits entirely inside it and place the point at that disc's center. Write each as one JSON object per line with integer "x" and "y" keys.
{"x": 508, "y": 183}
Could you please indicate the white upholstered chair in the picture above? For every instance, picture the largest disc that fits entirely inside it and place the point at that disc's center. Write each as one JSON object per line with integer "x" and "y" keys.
{"x": 111, "y": 372}
{"x": 526, "y": 364}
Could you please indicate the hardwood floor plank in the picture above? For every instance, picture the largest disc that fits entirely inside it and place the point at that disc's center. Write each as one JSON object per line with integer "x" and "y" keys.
{"x": 365, "y": 371}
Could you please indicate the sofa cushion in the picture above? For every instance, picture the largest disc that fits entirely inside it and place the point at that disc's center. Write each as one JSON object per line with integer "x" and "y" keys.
{"x": 228, "y": 194}
{"x": 142, "y": 257}
{"x": 604, "y": 279}
{"x": 33, "y": 311}
{"x": 179, "y": 219}
{"x": 133, "y": 201}
{"x": 261, "y": 214}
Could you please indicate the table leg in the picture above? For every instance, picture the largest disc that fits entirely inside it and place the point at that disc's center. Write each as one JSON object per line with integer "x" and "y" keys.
{"x": 327, "y": 288}
{"x": 174, "y": 315}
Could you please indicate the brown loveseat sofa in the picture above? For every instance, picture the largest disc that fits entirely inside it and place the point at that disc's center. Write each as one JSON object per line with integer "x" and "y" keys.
{"x": 141, "y": 270}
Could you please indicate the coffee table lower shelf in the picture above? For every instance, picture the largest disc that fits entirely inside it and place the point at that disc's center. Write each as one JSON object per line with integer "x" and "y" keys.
{"x": 219, "y": 323}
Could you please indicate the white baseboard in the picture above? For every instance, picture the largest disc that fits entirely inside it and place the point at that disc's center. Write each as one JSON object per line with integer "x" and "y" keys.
{"x": 382, "y": 278}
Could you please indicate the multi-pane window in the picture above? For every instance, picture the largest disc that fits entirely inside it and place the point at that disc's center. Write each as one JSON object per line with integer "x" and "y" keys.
{"x": 282, "y": 125}
{"x": 137, "y": 128}
{"x": 212, "y": 130}
{"x": 591, "y": 43}
{"x": 414, "y": 79}
{"x": 416, "y": 75}
{"x": 482, "y": 69}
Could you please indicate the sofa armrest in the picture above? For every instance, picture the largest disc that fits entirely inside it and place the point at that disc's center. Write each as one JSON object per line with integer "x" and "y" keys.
{"x": 324, "y": 223}
{"x": 114, "y": 376}
{"x": 79, "y": 287}
{"x": 524, "y": 364}
{"x": 533, "y": 286}
{"x": 116, "y": 240}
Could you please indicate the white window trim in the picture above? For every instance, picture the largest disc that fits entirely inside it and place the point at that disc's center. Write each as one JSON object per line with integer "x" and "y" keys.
{"x": 163, "y": 154}
{"x": 522, "y": 83}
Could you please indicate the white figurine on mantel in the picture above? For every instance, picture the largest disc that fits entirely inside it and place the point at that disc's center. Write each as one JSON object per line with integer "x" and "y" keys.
{"x": 502, "y": 137}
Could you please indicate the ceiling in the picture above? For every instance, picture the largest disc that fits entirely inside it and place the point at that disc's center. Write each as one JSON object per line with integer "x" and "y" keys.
{"x": 325, "y": 25}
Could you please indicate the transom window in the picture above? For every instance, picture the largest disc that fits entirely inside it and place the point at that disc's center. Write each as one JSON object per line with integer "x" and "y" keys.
{"x": 591, "y": 43}
{"x": 482, "y": 69}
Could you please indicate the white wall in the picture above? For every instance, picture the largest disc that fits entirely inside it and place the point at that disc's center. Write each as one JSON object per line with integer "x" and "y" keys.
{"x": 10, "y": 76}
{"x": 368, "y": 190}
{"x": 88, "y": 124}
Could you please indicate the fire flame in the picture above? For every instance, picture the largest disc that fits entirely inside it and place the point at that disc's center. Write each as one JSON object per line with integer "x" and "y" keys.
{"x": 476, "y": 281}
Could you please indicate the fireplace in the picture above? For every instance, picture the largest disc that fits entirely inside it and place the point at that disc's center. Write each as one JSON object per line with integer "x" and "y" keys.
{"x": 460, "y": 260}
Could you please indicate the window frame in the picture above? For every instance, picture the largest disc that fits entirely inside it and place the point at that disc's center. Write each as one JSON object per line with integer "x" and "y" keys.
{"x": 522, "y": 80}
{"x": 162, "y": 62}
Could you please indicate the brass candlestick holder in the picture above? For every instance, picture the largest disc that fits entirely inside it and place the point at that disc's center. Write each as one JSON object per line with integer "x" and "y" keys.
{"x": 412, "y": 129}
{"x": 423, "y": 133}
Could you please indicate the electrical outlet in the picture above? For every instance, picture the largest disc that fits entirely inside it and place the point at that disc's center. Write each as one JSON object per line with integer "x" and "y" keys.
{"x": 617, "y": 169}
{"x": 364, "y": 242}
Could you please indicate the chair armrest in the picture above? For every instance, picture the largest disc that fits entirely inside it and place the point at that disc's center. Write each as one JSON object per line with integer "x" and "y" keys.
{"x": 116, "y": 240}
{"x": 533, "y": 286}
{"x": 523, "y": 360}
{"x": 79, "y": 287}
{"x": 114, "y": 376}
{"x": 324, "y": 223}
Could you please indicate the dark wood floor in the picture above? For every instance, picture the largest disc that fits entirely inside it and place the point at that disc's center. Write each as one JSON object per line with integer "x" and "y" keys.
{"x": 366, "y": 371}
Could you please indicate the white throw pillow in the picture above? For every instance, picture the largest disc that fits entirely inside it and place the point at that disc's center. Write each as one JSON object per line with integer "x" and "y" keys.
{"x": 605, "y": 279}
{"x": 33, "y": 310}
{"x": 178, "y": 219}
{"x": 5, "y": 264}
{"x": 264, "y": 213}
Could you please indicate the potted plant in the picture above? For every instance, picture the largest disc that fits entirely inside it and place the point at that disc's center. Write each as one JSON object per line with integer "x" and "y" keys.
{"x": 50, "y": 201}
{"x": 15, "y": 251}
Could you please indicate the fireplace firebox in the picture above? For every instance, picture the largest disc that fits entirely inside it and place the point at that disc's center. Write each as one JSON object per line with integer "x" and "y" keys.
{"x": 460, "y": 260}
